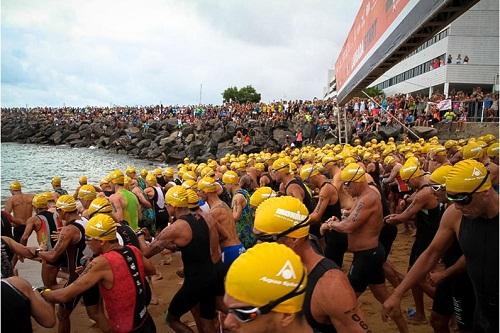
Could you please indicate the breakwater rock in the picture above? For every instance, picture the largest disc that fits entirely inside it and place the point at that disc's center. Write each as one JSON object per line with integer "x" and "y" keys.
{"x": 163, "y": 141}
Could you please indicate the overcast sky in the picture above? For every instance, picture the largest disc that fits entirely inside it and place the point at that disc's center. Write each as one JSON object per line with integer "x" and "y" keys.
{"x": 123, "y": 52}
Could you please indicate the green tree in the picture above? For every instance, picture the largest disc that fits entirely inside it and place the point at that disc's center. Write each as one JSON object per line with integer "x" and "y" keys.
{"x": 372, "y": 92}
{"x": 243, "y": 95}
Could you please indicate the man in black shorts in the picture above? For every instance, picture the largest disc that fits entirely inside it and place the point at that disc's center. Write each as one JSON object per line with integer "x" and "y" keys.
{"x": 363, "y": 227}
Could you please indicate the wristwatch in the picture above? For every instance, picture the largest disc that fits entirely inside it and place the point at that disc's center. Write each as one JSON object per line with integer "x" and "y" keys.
{"x": 37, "y": 251}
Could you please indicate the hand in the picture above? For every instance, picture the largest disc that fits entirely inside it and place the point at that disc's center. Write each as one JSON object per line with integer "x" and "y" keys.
{"x": 391, "y": 306}
{"x": 390, "y": 218}
{"x": 55, "y": 235}
{"x": 437, "y": 277}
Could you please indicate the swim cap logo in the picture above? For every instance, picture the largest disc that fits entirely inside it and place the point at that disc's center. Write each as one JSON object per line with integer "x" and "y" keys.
{"x": 287, "y": 271}
{"x": 476, "y": 172}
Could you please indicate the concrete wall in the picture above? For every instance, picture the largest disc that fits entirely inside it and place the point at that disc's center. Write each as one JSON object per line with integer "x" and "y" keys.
{"x": 471, "y": 130}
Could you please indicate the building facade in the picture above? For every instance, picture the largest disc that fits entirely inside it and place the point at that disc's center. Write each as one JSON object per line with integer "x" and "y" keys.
{"x": 462, "y": 56}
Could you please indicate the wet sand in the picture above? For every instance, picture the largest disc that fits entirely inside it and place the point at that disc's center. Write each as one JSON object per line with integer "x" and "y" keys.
{"x": 170, "y": 283}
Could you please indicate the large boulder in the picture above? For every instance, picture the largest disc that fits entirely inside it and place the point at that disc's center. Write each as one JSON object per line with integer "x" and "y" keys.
{"x": 386, "y": 132}
{"x": 424, "y": 132}
{"x": 72, "y": 137}
{"x": 143, "y": 143}
{"x": 56, "y": 138}
{"x": 279, "y": 135}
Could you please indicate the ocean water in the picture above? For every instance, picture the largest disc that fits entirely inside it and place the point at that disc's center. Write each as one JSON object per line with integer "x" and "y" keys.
{"x": 35, "y": 165}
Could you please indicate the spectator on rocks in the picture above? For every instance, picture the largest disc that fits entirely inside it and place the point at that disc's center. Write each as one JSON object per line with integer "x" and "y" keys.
{"x": 466, "y": 59}
{"x": 450, "y": 59}
{"x": 459, "y": 59}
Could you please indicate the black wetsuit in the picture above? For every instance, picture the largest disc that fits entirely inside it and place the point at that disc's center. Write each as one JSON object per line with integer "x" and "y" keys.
{"x": 161, "y": 214}
{"x": 6, "y": 225}
{"x": 312, "y": 279}
{"x": 335, "y": 241}
{"x": 478, "y": 239}
{"x": 16, "y": 310}
{"x": 455, "y": 294}
{"x": 308, "y": 200}
{"x": 427, "y": 223}
{"x": 161, "y": 181}
{"x": 6, "y": 258}
{"x": 225, "y": 195}
{"x": 199, "y": 273}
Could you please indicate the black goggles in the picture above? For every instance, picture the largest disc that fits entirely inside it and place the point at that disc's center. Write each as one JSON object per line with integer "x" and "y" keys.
{"x": 97, "y": 211}
{"x": 274, "y": 237}
{"x": 465, "y": 198}
{"x": 245, "y": 314}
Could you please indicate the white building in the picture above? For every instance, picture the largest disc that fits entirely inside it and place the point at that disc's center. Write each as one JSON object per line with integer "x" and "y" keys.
{"x": 474, "y": 34}
{"x": 330, "y": 91}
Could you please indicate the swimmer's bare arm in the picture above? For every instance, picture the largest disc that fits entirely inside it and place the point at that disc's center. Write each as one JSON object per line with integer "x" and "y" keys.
{"x": 19, "y": 249}
{"x": 42, "y": 311}
{"x": 149, "y": 268}
{"x": 392, "y": 176}
{"x": 417, "y": 204}
{"x": 142, "y": 200}
{"x": 357, "y": 218}
{"x": 239, "y": 202}
{"x": 30, "y": 225}
{"x": 428, "y": 259}
{"x": 344, "y": 313}
{"x": 66, "y": 237}
{"x": 325, "y": 197}
{"x": 117, "y": 207}
{"x": 96, "y": 271}
{"x": 165, "y": 240}
{"x": 294, "y": 190}
{"x": 457, "y": 268}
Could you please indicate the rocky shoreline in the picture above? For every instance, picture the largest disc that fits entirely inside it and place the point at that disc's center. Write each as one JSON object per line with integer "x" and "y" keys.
{"x": 164, "y": 141}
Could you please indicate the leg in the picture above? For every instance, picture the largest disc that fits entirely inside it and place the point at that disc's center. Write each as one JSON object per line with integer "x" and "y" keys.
{"x": 96, "y": 313}
{"x": 418, "y": 297}
{"x": 440, "y": 323}
{"x": 381, "y": 294}
{"x": 49, "y": 275}
{"x": 64, "y": 322}
{"x": 392, "y": 275}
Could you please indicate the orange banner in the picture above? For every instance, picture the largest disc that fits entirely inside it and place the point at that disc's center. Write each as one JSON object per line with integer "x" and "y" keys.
{"x": 372, "y": 20}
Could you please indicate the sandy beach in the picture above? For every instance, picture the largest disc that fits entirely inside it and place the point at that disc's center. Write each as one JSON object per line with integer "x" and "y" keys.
{"x": 170, "y": 283}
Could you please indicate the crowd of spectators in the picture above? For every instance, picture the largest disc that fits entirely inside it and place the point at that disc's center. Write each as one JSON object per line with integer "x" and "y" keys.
{"x": 319, "y": 118}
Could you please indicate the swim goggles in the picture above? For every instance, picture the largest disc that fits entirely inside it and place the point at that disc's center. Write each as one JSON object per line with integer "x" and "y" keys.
{"x": 465, "y": 198}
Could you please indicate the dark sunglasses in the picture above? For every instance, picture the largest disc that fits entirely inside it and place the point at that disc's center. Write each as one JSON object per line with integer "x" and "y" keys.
{"x": 275, "y": 237}
{"x": 246, "y": 314}
{"x": 465, "y": 198}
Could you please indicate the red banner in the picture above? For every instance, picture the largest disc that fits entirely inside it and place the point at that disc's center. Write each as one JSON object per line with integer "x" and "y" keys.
{"x": 372, "y": 20}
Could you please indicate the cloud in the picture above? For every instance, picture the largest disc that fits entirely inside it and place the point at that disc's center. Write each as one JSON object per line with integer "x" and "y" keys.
{"x": 130, "y": 52}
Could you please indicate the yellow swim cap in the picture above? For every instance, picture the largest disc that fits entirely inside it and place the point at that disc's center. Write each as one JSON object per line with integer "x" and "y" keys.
{"x": 466, "y": 176}
{"x": 281, "y": 214}
{"x": 411, "y": 169}
{"x": 489, "y": 138}
{"x": 117, "y": 177}
{"x": 15, "y": 186}
{"x": 157, "y": 172}
{"x": 56, "y": 181}
{"x": 144, "y": 173}
{"x": 66, "y": 203}
{"x": 472, "y": 150}
{"x": 82, "y": 180}
{"x": 127, "y": 181}
{"x": 260, "y": 166}
{"x": 353, "y": 172}
{"x": 349, "y": 160}
{"x": 189, "y": 175}
{"x": 177, "y": 196}
{"x": 100, "y": 205}
{"x": 260, "y": 195}
{"x": 101, "y": 227}
{"x": 493, "y": 150}
{"x": 151, "y": 179}
{"x": 450, "y": 143}
{"x": 281, "y": 165}
{"x": 307, "y": 171}
{"x": 193, "y": 198}
{"x": 87, "y": 192}
{"x": 189, "y": 184}
{"x": 168, "y": 172}
{"x": 130, "y": 170}
{"x": 230, "y": 177}
{"x": 438, "y": 150}
{"x": 207, "y": 171}
{"x": 439, "y": 175}
{"x": 49, "y": 196}
{"x": 265, "y": 273}
{"x": 104, "y": 181}
{"x": 207, "y": 185}
{"x": 40, "y": 201}
{"x": 389, "y": 160}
